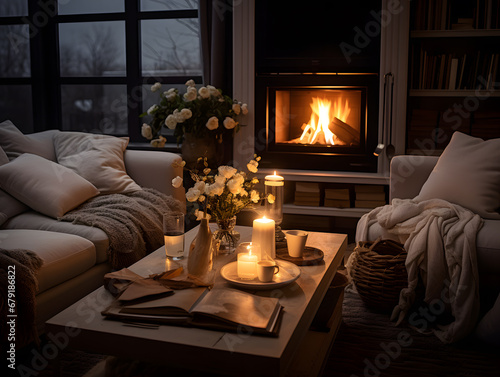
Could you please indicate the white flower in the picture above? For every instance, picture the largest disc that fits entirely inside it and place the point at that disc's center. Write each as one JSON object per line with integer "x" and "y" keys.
{"x": 235, "y": 184}
{"x": 212, "y": 123}
{"x": 200, "y": 186}
{"x": 156, "y": 86}
{"x": 152, "y": 109}
{"x": 146, "y": 131}
{"x": 229, "y": 123}
{"x": 170, "y": 122}
{"x": 204, "y": 92}
{"x": 243, "y": 192}
{"x": 192, "y": 195}
{"x": 179, "y": 118}
{"x": 213, "y": 91}
{"x": 190, "y": 83}
{"x": 186, "y": 113}
{"x": 177, "y": 182}
{"x": 254, "y": 196}
{"x": 252, "y": 166}
{"x": 158, "y": 143}
{"x": 255, "y": 180}
{"x": 244, "y": 109}
{"x": 220, "y": 179}
{"x": 214, "y": 189}
{"x": 236, "y": 108}
{"x": 227, "y": 171}
{"x": 191, "y": 94}
{"x": 271, "y": 198}
{"x": 170, "y": 94}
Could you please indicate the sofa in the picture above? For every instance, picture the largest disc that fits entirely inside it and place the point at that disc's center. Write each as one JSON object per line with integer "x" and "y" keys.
{"x": 409, "y": 175}
{"x": 75, "y": 256}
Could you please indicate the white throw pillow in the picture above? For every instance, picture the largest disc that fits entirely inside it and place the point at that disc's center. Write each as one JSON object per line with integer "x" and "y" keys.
{"x": 97, "y": 158}
{"x": 467, "y": 174}
{"x": 45, "y": 186}
{"x": 9, "y": 206}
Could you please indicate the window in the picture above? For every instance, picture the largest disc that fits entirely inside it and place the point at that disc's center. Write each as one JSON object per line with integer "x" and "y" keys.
{"x": 87, "y": 65}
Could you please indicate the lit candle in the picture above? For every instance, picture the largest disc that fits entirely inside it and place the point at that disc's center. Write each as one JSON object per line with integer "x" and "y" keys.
{"x": 247, "y": 264}
{"x": 263, "y": 235}
{"x": 274, "y": 180}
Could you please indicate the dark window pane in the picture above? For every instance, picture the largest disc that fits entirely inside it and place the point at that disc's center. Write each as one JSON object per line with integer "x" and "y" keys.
{"x": 91, "y": 6}
{"x": 9, "y": 8}
{"x": 15, "y": 104}
{"x": 171, "y": 47}
{"x": 14, "y": 51}
{"x": 92, "y": 49}
{"x": 150, "y": 5}
{"x": 94, "y": 108}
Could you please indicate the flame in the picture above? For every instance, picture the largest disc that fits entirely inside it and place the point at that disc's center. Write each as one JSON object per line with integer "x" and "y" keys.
{"x": 322, "y": 115}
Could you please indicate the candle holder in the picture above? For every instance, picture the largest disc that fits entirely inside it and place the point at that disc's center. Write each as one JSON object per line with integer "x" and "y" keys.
{"x": 274, "y": 185}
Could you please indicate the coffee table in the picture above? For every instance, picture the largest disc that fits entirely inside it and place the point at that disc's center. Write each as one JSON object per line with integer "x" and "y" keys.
{"x": 298, "y": 350}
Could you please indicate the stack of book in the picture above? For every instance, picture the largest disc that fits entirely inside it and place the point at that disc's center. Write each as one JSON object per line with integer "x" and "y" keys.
{"x": 337, "y": 197}
{"x": 369, "y": 196}
{"x": 307, "y": 194}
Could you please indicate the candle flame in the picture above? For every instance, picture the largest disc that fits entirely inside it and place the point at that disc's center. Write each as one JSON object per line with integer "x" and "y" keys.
{"x": 275, "y": 172}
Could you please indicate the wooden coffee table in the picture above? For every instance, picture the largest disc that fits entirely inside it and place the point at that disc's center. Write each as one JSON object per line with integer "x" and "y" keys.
{"x": 299, "y": 349}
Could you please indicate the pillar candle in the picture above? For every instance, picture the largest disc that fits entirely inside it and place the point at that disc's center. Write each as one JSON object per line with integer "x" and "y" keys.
{"x": 247, "y": 265}
{"x": 263, "y": 235}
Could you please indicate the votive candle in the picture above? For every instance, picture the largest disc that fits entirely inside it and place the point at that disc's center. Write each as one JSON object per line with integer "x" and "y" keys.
{"x": 247, "y": 265}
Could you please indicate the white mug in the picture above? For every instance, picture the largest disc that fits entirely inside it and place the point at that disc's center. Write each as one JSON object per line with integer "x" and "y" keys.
{"x": 296, "y": 241}
{"x": 266, "y": 269}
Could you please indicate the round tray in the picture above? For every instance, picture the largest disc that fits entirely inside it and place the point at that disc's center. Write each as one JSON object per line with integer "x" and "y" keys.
{"x": 310, "y": 256}
{"x": 287, "y": 274}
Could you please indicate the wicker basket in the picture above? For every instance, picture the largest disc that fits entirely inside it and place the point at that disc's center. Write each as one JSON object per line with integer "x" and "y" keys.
{"x": 378, "y": 271}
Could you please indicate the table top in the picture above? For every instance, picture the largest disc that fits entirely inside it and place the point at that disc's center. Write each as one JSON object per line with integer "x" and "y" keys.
{"x": 89, "y": 330}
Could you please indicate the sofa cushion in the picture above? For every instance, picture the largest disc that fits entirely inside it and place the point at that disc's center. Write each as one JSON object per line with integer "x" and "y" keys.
{"x": 45, "y": 186}
{"x": 97, "y": 158}
{"x": 15, "y": 143}
{"x": 64, "y": 255}
{"x": 467, "y": 174}
{"x": 9, "y": 206}
{"x": 37, "y": 221}
{"x": 3, "y": 157}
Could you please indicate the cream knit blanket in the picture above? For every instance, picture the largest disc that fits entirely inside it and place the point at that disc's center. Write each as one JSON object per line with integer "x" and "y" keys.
{"x": 440, "y": 238}
{"x": 133, "y": 222}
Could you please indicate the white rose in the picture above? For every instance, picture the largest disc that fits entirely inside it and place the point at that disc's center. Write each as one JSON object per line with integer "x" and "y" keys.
{"x": 200, "y": 186}
{"x": 170, "y": 122}
{"x": 186, "y": 113}
{"x": 156, "y": 86}
{"x": 227, "y": 171}
{"x": 215, "y": 189}
{"x": 220, "y": 179}
{"x": 192, "y": 195}
{"x": 177, "y": 182}
{"x": 234, "y": 186}
{"x": 229, "y": 123}
{"x": 190, "y": 83}
{"x": 146, "y": 131}
{"x": 179, "y": 118}
{"x": 204, "y": 92}
{"x": 254, "y": 196}
{"x": 236, "y": 108}
{"x": 152, "y": 109}
{"x": 244, "y": 109}
{"x": 213, "y": 123}
{"x": 252, "y": 166}
{"x": 191, "y": 94}
{"x": 213, "y": 91}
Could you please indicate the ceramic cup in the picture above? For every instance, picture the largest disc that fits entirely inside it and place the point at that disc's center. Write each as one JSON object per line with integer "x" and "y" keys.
{"x": 266, "y": 269}
{"x": 296, "y": 241}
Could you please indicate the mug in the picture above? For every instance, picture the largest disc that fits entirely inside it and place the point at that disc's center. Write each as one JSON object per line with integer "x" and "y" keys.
{"x": 266, "y": 269}
{"x": 296, "y": 241}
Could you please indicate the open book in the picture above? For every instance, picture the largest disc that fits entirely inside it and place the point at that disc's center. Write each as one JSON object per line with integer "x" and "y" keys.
{"x": 222, "y": 309}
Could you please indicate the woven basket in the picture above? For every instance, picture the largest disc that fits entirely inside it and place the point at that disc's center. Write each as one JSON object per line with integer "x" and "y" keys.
{"x": 378, "y": 271}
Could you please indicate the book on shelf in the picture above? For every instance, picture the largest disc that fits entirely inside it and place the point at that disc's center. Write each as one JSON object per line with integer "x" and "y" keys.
{"x": 339, "y": 194}
{"x": 307, "y": 195}
{"x": 337, "y": 203}
{"x": 369, "y": 203}
{"x": 369, "y": 188}
{"x": 222, "y": 309}
{"x": 306, "y": 202}
{"x": 307, "y": 187}
{"x": 380, "y": 195}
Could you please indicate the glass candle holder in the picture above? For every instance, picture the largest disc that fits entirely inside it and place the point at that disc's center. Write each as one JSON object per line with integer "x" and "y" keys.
{"x": 274, "y": 185}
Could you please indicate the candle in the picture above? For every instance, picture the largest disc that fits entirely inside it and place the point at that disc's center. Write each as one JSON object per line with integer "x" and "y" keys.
{"x": 263, "y": 235}
{"x": 247, "y": 264}
{"x": 274, "y": 186}
{"x": 274, "y": 180}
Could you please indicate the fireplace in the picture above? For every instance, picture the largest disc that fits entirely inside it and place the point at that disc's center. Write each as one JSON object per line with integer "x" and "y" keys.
{"x": 317, "y": 121}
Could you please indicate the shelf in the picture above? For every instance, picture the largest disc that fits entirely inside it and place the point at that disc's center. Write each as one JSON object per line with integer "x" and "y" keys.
{"x": 324, "y": 211}
{"x": 473, "y": 33}
{"x": 328, "y": 176}
{"x": 454, "y": 93}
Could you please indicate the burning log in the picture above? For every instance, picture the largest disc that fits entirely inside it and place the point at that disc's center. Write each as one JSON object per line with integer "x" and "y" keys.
{"x": 344, "y": 132}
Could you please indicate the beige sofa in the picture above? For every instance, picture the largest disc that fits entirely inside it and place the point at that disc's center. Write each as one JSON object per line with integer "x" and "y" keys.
{"x": 75, "y": 256}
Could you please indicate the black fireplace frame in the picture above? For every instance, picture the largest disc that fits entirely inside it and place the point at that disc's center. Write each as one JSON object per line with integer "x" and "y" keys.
{"x": 312, "y": 157}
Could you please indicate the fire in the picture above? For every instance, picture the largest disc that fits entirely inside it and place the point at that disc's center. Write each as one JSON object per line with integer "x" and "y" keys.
{"x": 317, "y": 130}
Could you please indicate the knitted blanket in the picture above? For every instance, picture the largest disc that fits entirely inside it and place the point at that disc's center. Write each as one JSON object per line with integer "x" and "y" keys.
{"x": 133, "y": 222}
{"x": 18, "y": 287}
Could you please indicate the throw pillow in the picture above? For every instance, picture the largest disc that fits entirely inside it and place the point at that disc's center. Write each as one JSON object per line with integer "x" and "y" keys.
{"x": 3, "y": 157}
{"x": 45, "y": 186}
{"x": 15, "y": 143}
{"x": 467, "y": 174}
{"x": 97, "y": 158}
{"x": 9, "y": 206}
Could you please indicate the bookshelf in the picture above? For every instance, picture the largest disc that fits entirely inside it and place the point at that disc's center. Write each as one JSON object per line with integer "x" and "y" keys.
{"x": 453, "y": 71}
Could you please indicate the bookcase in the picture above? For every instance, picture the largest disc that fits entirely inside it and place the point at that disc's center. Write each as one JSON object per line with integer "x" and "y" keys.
{"x": 453, "y": 72}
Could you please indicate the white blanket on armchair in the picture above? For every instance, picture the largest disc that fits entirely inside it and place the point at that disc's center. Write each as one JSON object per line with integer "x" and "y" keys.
{"x": 440, "y": 238}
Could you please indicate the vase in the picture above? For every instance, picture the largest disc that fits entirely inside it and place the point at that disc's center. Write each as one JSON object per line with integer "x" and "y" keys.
{"x": 201, "y": 252}
{"x": 225, "y": 236}
{"x": 194, "y": 147}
